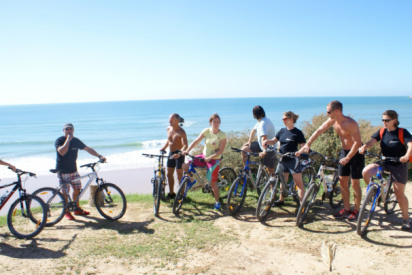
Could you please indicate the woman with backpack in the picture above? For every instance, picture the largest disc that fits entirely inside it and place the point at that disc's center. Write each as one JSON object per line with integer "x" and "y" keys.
{"x": 395, "y": 142}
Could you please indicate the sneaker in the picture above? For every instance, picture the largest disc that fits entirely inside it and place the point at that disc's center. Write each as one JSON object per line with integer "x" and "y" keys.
{"x": 81, "y": 212}
{"x": 407, "y": 225}
{"x": 217, "y": 206}
{"x": 171, "y": 196}
{"x": 343, "y": 214}
{"x": 69, "y": 216}
{"x": 353, "y": 217}
{"x": 278, "y": 203}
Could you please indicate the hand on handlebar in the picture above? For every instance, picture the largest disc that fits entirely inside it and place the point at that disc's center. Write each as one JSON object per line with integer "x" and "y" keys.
{"x": 404, "y": 159}
{"x": 362, "y": 150}
{"x": 304, "y": 149}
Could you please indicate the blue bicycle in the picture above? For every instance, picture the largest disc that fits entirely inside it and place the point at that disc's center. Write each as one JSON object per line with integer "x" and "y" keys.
{"x": 225, "y": 178}
{"x": 379, "y": 187}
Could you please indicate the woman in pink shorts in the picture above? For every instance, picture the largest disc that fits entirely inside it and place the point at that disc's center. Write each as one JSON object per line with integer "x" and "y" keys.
{"x": 215, "y": 143}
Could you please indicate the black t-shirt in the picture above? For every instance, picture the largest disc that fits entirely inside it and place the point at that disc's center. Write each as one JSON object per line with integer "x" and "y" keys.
{"x": 67, "y": 163}
{"x": 290, "y": 139}
{"x": 391, "y": 146}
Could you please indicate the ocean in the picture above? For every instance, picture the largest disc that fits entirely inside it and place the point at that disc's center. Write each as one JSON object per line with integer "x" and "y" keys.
{"x": 122, "y": 131}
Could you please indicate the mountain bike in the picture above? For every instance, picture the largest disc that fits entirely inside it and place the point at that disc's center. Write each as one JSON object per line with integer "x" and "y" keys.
{"x": 109, "y": 199}
{"x": 238, "y": 189}
{"x": 226, "y": 175}
{"x": 278, "y": 184}
{"x": 158, "y": 181}
{"x": 327, "y": 178}
{"x": 379, "y": 187}
{"x": 27, "y": 215}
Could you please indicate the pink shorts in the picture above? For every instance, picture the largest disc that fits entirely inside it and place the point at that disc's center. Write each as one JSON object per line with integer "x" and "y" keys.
{"x": 212, "y": 167}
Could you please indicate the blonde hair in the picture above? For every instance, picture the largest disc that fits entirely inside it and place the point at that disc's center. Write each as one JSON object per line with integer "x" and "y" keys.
{"x": 292, "y": 115}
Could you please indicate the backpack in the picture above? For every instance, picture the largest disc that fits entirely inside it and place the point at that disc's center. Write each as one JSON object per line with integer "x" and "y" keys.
{"x": 400, "y": 135}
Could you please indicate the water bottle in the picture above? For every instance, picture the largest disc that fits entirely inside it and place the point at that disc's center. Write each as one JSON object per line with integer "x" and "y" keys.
{"x": 328, "y": 181}
{"x": 3, "y": 198}
{"x": 379, "y": 174}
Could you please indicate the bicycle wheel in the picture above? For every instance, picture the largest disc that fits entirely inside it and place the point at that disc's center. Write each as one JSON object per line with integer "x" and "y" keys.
{"x": 261, "y": 181}
{"x": 27, "y": 217}
{"x": 307, "y": 201}
{"x": 110, "y": 201}
{"x": 308, "y": 174}
{"x": 335, "y": 196}
{"x": 225, "y": 178}
{"x": 366, "y": 211}
{"x": 236, "y": 196}
{"x": 55, "y": 204}
{"x": 267, "y": 197}
{"x": 390, "y": 200}
{"x": 157, "y": 195}
{"x": 180, "y": 196}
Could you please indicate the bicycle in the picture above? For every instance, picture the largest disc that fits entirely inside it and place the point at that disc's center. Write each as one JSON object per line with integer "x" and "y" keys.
{"x": 27, "y": 214}
{"x": 109, "y": 199}
{"x": 379, "y": 187}
{"x": 328, "y": 182}
{"x": 225, "y": 177}
{"x": 158, "y": 181}
{"x": 236, "y": 196}
{"x": 272, "y": 189}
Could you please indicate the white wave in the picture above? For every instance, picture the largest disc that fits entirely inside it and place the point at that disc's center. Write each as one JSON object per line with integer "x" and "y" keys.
{"x": 154, "y": 143}
{"x": 188, "y": 123}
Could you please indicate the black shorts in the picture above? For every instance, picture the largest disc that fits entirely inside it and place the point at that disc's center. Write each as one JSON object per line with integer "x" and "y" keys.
{"x": 175, "y": 163}
{"x": 354, "y": 167}
{"x": 399, "y": 171}
{"x": 270, "y": 159}
{"x": 288, "y": 166}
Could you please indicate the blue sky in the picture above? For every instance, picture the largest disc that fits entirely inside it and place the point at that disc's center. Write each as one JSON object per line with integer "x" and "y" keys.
{"x": 74, "y": 51}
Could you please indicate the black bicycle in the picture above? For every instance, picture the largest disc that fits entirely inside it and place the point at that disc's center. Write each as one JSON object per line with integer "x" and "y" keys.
{"x": 27, "y": 215}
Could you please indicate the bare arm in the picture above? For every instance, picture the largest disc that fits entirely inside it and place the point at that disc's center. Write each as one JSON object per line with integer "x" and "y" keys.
{"x": 193, "y": 144}
{"x": 251, "y": 136}
{"x": 92, "y": 152}
{"x": 326, "y": 125}
{"x": 264, "y": 140}
{"x": 357, "y": 143}
{"x": 367, "y": 145}
{"x": 297, "y": 153}
{"x": 267, "y": 142}
{"x": 62, "y": 150}
{"x": 184, "y": 141}
{"x": 406, "y": 157}
{"x": 164, "y": 147}
{"x": 8, "y": 164}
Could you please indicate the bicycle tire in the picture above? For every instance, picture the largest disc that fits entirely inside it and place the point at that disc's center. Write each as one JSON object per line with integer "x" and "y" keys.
{"x": 266, "y": 199}
{"x": 236, "y": 196}
{"x": 157, "y": 195}
{"x": 261, "y": 181}
{"x": 307, "y": 201}
{"x": 366, "y": 210}
{"x": 308, "y": 174}
{"x": 27, "y": 217}
{"x": 335, "y": 196}
{"x": 180, "y": 197}
{"x": 390, "y": 199}
{"x": 110, "y": 201}
{"x": 226, "y": 177}
{"x": 55, "y": 204}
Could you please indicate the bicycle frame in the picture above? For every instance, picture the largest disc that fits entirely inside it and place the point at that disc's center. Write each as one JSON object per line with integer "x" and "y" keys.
{"x": 92, "y": 177}
{"x": 17, "y": 186}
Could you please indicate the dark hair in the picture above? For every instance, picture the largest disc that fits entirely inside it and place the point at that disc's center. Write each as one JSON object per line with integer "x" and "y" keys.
{"x": 393, "y": 115}
{"x": 179, "y": 118}
{"x": 292, "y": 115}
{"x": 336, "y": 105}
{"x": 214, "y": 116}
{"x": 258, "y": 112}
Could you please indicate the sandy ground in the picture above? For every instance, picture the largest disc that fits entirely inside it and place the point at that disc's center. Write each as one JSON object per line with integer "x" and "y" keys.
{"x": 276, "y": 247}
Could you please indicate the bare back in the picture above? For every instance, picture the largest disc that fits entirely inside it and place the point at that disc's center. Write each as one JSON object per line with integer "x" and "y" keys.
{"x": 348, "y": 131}
{"x": 177, "y": 138}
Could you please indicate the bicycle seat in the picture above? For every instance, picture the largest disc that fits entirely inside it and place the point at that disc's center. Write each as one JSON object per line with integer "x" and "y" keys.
{"x": 55, "y": 171}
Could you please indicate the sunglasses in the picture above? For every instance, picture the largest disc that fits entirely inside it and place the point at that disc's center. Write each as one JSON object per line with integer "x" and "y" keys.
{"x": 328, "y": 112}
{"x": 68, "y": 128}
{"x": 386, "y": 120}
{"x": 285, "y": 118}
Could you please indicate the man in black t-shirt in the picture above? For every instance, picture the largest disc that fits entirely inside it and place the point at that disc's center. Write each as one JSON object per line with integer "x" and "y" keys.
{"x": 67, "y": 147}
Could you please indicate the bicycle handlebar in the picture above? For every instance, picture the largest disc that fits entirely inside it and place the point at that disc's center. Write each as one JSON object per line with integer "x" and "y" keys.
{"x": 21, "y": 172}
{"x": 332, "y": 159}
{"x": 391, "y": 159}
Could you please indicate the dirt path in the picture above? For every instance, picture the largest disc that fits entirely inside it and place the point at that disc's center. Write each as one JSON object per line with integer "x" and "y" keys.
{"x": 91, "y": 245}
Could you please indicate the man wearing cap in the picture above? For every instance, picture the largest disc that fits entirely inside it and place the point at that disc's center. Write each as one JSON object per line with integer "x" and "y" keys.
{"x": 67, "y": 147}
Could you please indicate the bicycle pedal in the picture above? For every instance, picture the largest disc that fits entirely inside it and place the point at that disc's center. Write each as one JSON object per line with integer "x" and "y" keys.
{"x": 318, "y": 202}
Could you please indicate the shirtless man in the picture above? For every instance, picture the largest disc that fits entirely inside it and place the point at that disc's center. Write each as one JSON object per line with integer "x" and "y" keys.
{"x": 351, "y": 162}
{"x": 176, "y": 140}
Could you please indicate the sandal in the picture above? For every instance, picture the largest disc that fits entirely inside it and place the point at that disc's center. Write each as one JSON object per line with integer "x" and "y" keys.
{"x": 407, "y": 225}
